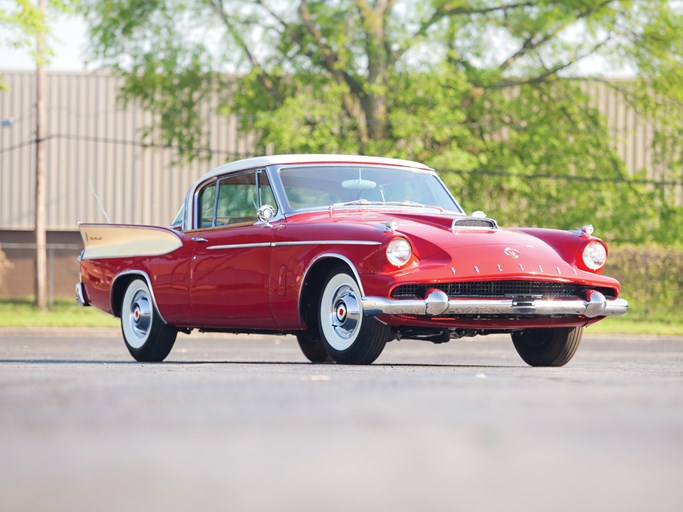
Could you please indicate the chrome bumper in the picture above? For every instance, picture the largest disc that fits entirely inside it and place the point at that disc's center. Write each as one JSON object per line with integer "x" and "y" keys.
{"x": 437, "y": 302}
{"x": 80, "y": 296}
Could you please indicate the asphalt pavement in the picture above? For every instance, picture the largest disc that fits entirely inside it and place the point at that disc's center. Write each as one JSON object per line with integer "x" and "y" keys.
{"x": 240, "y": 423}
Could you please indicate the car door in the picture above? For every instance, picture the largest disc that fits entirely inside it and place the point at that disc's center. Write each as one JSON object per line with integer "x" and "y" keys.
{"x": 230, "y": 268}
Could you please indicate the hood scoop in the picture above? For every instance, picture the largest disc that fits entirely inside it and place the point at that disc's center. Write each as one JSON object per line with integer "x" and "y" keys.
{"x": 472, "y": 223}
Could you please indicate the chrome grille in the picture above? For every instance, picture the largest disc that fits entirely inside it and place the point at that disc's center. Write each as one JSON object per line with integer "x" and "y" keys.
{"x": 500, "y": 289}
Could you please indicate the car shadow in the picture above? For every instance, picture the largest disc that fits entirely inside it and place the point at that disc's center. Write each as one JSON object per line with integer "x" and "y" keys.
{"x": 246, "y": 363}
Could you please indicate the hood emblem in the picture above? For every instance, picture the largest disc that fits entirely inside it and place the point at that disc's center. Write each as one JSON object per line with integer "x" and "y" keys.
{"x": 513, "y": 253}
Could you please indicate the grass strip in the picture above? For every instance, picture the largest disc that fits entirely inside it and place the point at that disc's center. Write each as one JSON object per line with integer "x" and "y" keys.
{"x": 63, "y": 313}
{"x": 66, "y": 313}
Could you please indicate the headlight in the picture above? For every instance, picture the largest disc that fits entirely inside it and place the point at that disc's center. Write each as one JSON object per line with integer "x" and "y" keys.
{"x": 399, "y": 252}
{"x": 594, "y": 255}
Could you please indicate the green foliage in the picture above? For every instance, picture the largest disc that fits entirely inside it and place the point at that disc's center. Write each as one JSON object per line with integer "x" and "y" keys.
{"x": 485, "y": 90}
{"x": 23, "y": 23}
{"x": 651, "y": 280}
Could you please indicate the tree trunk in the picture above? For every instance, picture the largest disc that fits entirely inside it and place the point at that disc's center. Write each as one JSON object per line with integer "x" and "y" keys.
{"x": 374, "y": 99}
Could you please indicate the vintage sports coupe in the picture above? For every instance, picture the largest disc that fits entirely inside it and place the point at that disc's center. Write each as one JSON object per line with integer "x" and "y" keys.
{"x": 347, "y": 253}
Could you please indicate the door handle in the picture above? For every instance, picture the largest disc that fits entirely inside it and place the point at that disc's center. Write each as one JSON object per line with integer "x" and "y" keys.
{"x": 199, "y": 239}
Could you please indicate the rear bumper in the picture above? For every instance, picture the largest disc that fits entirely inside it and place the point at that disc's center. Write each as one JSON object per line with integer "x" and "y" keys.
{"x": 81, "y": 296}
{"x": 437, "y": 303}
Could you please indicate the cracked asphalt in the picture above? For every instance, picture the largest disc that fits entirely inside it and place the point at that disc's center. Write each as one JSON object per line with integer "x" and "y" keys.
{"x": 239, "y": 423}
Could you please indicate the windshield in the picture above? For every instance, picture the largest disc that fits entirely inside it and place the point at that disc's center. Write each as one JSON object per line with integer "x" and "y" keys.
{"x": 324, "y": 186}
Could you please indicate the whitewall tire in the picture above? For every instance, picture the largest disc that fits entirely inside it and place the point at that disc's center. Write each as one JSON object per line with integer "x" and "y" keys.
{"x": 147, "y": 337}
{"x": 350, "y": 336}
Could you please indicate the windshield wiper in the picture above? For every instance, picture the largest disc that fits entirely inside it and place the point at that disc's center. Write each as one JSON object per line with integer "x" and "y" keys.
{"x": 366, "y": 202}
{"x": 359, "y": 201}
{"x": 415, "y": 205}
{"x": 407, "y": 203}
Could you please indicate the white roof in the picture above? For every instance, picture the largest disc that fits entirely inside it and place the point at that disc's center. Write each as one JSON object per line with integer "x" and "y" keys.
{"x": 262, "y": 161}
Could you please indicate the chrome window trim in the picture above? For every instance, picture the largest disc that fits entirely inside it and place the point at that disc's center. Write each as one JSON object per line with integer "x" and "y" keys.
{"x": 275, "y": 170}
{"x": 197, "y": 207}
{"x": 272, "y": 170}
{"x": 192, "y": 197}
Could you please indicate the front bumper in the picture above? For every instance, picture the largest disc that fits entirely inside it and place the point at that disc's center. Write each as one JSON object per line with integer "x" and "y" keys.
{"x": 436, "y": 302}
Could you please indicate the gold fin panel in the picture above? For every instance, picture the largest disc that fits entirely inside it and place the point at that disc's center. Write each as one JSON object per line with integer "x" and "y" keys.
{"x": 121, "y": 241}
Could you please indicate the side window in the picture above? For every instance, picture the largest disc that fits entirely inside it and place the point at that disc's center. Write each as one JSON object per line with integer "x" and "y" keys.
{"x": 207, "y": 199}
{"x": 177, "y": 222}
{"x": 266, "y": 193}
{"x": 240, "y": 196}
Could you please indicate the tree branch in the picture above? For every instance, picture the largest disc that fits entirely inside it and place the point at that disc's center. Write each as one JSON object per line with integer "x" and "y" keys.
{"x": 530, "y": 45}
{"x": 330, "y": 59}
{"x": 551, "y": 71}
{"x": 263, "y": 78}
{"x": 445, "y": 12}
{"x": 262, "y": 3}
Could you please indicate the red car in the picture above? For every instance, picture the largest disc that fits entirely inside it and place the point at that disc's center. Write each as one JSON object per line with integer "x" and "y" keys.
{"x": 347, "y": 253}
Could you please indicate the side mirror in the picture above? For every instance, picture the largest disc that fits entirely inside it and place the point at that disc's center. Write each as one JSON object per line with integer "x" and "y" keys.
{"x": 265, "y": 213}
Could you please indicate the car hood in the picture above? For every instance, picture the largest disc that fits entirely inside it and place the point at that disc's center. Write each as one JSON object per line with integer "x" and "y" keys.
{"x": 469, "y": 253}
{"x": 479, "y": 251}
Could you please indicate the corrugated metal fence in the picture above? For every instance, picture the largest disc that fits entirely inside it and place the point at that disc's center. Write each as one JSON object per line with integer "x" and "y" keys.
{"x": 92, "y": 140}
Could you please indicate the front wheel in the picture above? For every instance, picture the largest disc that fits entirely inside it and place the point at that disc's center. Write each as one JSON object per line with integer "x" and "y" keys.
{"x": 350, "y": 336}
{"x": 313, "y": 349}
{"x": 148, "y": 338}
{"x": 547, "y": 347}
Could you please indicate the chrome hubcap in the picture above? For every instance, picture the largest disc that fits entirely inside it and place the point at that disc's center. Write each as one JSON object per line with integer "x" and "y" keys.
{"x": 140, "y": 315}
{"x": 345, "y": 312}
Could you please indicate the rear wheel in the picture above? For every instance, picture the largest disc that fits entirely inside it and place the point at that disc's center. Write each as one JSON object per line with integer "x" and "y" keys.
{"x": 349, "y": 336}
{"x": 148, "y": 338}
{"x": 547, "y": 347}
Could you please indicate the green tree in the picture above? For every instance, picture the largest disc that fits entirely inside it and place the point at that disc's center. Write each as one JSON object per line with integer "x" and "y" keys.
{"x": 22, "y": 23}
{"x": 487, "y": 89}
{"x": 26, "y": 27}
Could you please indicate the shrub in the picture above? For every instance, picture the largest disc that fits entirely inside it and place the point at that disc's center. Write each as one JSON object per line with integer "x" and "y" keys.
{"x": 5, "y": 265}
{"x": 651, "y": 280}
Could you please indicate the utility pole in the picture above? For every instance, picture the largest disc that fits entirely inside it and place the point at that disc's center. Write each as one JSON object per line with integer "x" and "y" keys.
{"x": 41, "y": 238}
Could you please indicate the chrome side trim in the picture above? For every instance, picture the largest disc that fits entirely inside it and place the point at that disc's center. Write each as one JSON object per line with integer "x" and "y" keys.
{"x": 437, "y": 303}
{"x": 140, "y": 273}
{"x": 292, "y": 244}
{"x": 238, "y": 246}
{"x": 326, "y": 242}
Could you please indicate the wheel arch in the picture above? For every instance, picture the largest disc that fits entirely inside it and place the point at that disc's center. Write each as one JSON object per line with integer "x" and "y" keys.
{"x": 120, "y": 284}
{"x": 314, "y": 275}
